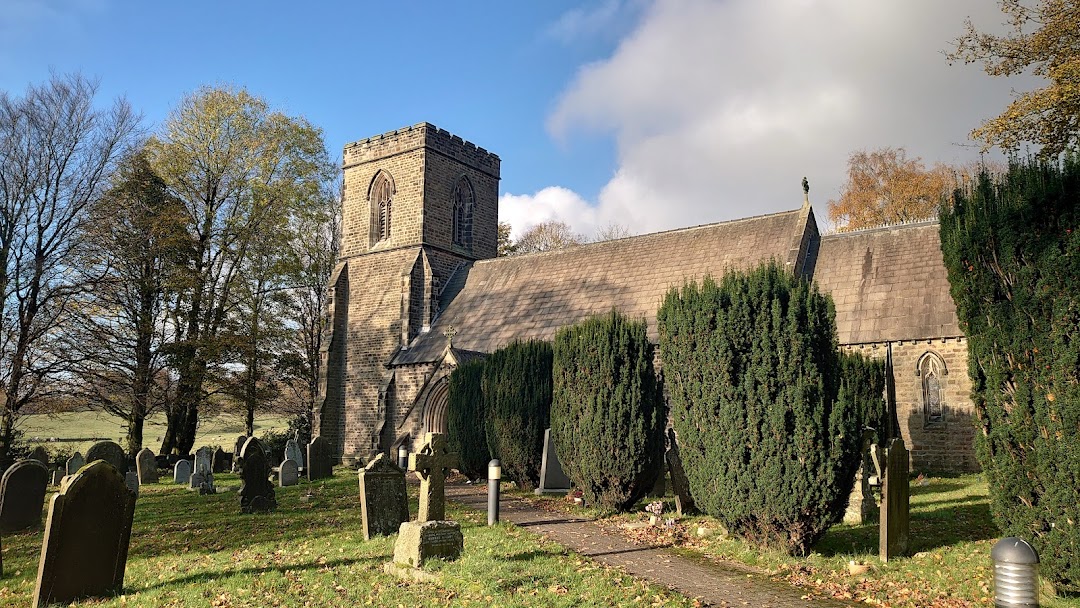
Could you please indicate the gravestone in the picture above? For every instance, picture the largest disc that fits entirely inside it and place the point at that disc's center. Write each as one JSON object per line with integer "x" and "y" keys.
{"x": 204, "y": 461}
{"x": 384, "y": 504}
{"x": 222, "y": 461}
{"x": 22, "y": 492}
{"x": 431, "y": 464}
{"x": 862, "y": 505}
{"x": 418, "y": 542}
{"x": 40, "y": 454}
{"x": 182, "y": 472}
{"x": 319, "y": 463}
{"x": 256, "y": 491}
{"x": 57, "y": 475}
{"x": 75, "y": 463}
{"x": 680, "y": 485}
{"x": 196, "y": 481}
{"x": 110, "y": 452}
{"x": 131, "y": 480}
{"x": 293, "y": 453}
{"x": 84, "y": 552}
{"x": 239, "y": 445}
{"x": 552, "y": 478}
{"x": 288, "y": 473}
{"x": 146, "y": 465}
{"x": 894, "y": 514}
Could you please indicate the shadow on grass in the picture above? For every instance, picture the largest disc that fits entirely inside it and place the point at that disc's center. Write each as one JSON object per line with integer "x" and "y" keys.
{"x": 929, "y": 530}
{"x": 527, "y": 556}
{"x": 213, "y": 576}
{"x": 936, "y": 487}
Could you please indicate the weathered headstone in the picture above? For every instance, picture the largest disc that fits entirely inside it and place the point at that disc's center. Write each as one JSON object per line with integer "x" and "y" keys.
{"x": 75, "y": 463}
{"x": 196, "y": 481}
{"x": 84, "y": 552}
{"x": 895, "y": 488}
{"x": 110, "y": 452}
{"x": 319, "y": 463}
{"x": 222, "y": 461}
{"x": 57, "y": 475}
{"x": 552, "y": 478}
{"x": 431, "y": 464}
{"x": 182, "y": 472}
{"x": 680, "y": 485}
{"x": 204, "y": 460}
{"x": 40, "y": 454}
{"x": 131, "y": 480}
{"x": 418, "y": 542}
{"x": 288, "y": 473}
{"x": 22, "y": 492}
{"x": 256, "y": 491}
{"x": 146, "y": 465}
{"x": 239, "y": 445}
{"x": 384, "y": 504}
{"x": 293, "y": 453}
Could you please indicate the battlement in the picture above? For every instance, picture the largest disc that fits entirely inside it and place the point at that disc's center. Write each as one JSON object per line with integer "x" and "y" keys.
{"x": 417, "y": 136}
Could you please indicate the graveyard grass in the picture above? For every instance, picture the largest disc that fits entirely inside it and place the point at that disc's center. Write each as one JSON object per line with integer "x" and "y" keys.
{"x": 948, "y": 563}
{"x": 191, "y": 550}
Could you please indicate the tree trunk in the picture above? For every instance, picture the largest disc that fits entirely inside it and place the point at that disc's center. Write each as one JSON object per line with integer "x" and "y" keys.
{"x": 7, "y": 438}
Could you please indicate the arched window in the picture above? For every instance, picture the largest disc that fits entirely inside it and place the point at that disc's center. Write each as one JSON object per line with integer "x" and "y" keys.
{"x": 463, "y": 199}
{"x": 932, "y": 371}
{"x": 381, "y": 198}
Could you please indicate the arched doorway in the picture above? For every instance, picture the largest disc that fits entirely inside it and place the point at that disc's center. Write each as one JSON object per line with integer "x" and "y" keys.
{"x": 435, "y": 409}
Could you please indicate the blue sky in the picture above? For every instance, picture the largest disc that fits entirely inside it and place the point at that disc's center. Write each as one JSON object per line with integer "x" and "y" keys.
{"x": 652, "y": 114}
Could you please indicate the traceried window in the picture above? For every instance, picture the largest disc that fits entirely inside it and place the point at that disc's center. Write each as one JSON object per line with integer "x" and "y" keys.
{"x": 932, "y": 372}
{"x": 463, "y": 199}
{"x": 381, "y": 197}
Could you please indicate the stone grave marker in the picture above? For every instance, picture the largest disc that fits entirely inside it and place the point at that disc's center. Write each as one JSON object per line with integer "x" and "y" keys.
{"x": 256, "y": 491}
{"x": 895, "y": 489}
{"x": 204, "y": 460}
{"x": 75, "y": 463}
{"x": 40, "y": 454}
{"x": 293, "y": 453}
{"x": 146, "y": 465}
{"x": 384, "y": 504}
{"x": 57, "y": 475}
{"x": 222, "y": 461}
{"x": 84, "y": 552}
{"x": 418, "y": 542}
{"x": 552, "y": 478}
{"x": 110, "y": 452}
{"x": 239, "y": 445}
{"x": 319, "y": 463}
{"x": 131, "y": 480}
{"x": 431, "y": 464}
{"x": 182, "y": 472}
{"x": 22, "y": 492}
{"x": 288, "y": 473}
{"x": 680, "y": 485}
{"x": 196, "y": 481}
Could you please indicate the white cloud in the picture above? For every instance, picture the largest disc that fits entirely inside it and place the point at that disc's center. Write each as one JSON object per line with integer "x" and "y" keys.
{"x": 718, "y": 109}
{"x": 580, "y": 22}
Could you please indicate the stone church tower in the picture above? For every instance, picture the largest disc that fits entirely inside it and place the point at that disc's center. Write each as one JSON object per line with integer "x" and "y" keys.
{"x": 418, "y": 204}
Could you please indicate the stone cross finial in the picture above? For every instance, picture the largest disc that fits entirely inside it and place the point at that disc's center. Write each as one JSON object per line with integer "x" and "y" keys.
{"x": 450, "y": 333}
{"x": 806, "y": 191}
{"x": 431, "y": 464}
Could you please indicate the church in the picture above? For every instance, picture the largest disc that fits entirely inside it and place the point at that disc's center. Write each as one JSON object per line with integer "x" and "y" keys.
{"x": 418, "y": 290}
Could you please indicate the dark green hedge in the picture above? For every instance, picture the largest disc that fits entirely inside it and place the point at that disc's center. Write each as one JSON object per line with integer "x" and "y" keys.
{"x": 517, "y": 394}
{"x": 1012, "y": 249}
{"x": 466, "y": 419}
{"x": 607, "y": 410}
{"x": 752, "y": 369}
{"x": 862, "y": 386}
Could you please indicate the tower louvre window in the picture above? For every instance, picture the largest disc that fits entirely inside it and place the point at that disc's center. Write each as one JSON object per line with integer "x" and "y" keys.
{"x": 463, "y": 199}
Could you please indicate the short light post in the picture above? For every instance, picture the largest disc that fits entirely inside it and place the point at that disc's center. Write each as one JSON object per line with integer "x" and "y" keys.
{"x": 1016, "y": 573}
{"x": 403, "y": 456}
{"x": 494, "y": 475}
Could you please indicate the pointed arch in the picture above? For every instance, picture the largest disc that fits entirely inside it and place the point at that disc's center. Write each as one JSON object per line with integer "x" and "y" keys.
{"x": 435, "y": 410}
{"x": 381, "y": 193}
{"x": 932, "y": 371}
{"x": 463, "y": 199}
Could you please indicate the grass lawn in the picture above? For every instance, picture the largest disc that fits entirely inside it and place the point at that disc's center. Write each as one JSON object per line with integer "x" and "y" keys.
{"x": 949, "y": 565}
{"x": 190, "y": 550}
{"x": 77, "y": 431}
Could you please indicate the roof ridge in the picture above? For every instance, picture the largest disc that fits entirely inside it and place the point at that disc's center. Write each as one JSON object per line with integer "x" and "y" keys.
{"x": 926, "y": 221}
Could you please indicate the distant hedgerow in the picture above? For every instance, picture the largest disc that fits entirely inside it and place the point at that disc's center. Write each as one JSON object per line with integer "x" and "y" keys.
{"x": 607, "y": 410}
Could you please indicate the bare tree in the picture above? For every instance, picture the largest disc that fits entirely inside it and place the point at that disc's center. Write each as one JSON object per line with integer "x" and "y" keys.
{"x": 547, "y": 236}
{"x": 610, "y": 232}
{"x": 56, "y": 153}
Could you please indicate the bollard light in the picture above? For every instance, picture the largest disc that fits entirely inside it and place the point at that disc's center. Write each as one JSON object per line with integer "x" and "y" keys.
{"x": 494, "y": 475}
{"x": 1016, "y": 573}
{"x": 403, "y": 456}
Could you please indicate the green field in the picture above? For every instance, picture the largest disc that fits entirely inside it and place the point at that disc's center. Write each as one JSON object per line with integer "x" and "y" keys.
{"x": 190, "y": 550}
{"x": 77, "y": 431}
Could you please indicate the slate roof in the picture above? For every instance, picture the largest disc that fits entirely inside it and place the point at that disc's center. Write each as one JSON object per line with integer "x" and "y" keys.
{"x": 888, "y": 284}
{"x": 491, "y": 302}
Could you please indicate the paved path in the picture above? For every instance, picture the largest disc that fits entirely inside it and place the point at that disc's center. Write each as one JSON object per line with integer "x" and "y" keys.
{"x": 712, "y": 584}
